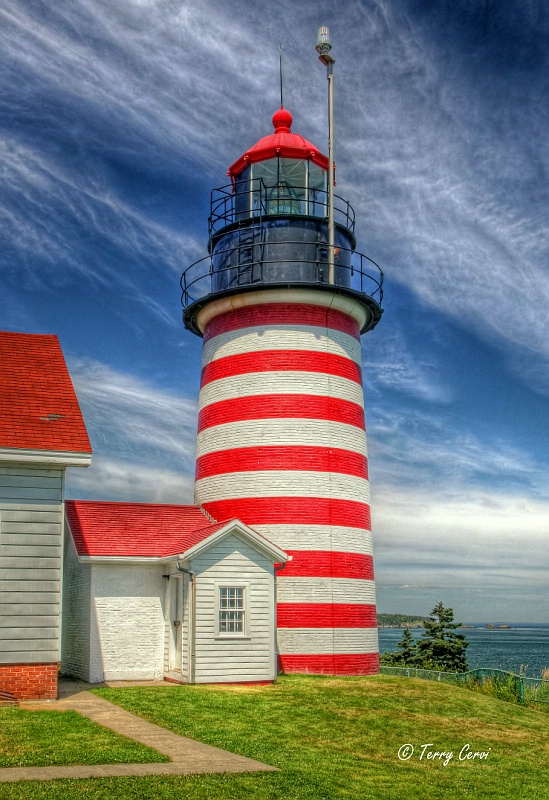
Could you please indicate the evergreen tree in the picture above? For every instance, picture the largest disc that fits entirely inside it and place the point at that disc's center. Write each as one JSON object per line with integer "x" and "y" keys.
{"x": 440, "y": 647}
{"x": 407, "y": 649}
{"x": 405, "y": 654}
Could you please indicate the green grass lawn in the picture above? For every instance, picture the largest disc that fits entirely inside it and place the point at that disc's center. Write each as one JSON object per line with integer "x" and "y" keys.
{"x": 47, "y": 738}
{"x": 334, "y": 738}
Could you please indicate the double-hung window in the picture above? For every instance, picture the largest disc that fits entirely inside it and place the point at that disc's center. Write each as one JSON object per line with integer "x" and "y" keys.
{"x": 232, "y": 610}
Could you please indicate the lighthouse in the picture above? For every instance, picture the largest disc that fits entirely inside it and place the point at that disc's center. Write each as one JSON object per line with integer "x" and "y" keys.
{"x": 281, "y": 301}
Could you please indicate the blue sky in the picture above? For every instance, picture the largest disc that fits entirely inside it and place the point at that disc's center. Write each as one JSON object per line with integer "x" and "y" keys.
{"x": 116, "y": 122}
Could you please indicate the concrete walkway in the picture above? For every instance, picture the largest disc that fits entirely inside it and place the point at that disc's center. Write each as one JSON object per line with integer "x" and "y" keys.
{"x": 187, "y": 756}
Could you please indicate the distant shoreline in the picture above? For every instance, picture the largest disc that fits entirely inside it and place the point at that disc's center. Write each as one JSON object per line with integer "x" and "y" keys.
{"x": 401, "y": 621}
{"x": 414, "y": 625}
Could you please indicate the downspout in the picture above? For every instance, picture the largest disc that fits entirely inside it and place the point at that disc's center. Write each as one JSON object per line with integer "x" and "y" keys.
{"x": 277, "y": 568}
{"x": 192, "y": 615}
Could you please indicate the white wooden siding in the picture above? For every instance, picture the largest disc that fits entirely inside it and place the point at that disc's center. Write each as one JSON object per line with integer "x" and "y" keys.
{"x": 31, "y": 524}
{"x": 233, "y": 562}
{"x": 75, "y": 649}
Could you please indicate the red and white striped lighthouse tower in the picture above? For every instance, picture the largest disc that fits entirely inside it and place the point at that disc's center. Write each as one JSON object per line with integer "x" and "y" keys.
{"x": 281, "y": 436}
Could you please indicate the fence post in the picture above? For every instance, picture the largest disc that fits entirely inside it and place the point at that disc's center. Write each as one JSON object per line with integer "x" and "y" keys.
{"x": 521, "y": 690}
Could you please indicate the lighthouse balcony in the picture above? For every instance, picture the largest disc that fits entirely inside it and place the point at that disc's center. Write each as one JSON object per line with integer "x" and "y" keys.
{"x": 260, "y": 257}
{"x": 267, "y": 234}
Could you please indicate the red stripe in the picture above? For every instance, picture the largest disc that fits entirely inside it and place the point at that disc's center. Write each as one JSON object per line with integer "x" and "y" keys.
{"x": 282, "y": 361}
{"x": 292, "y": 511}
{"x": 339, "y": 664}
{"x": 325, "y": 615}
{"x": 246, "y": 459}
{"x": 326, "y": 564}
{"x": 281, "y": 406}
{"x": 282, "y": 314}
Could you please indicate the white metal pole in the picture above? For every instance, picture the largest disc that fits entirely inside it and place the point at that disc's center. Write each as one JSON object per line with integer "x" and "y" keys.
{"x": 331, "y": 228}
{"x": 323, "y": 48}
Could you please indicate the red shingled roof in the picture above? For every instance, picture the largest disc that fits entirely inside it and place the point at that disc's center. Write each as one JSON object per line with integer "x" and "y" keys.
{"x": 39, "y": 409}
{"x": 136, "y": 529}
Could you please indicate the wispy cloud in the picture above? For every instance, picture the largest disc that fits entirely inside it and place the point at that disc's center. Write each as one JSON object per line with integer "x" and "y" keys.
{"x": 125, "y": 480}
{"x": 410, "y": 448}
{"x": 454, "y": 203}
{"x": 135, "y": 428}
{"x": 391, "y": 365}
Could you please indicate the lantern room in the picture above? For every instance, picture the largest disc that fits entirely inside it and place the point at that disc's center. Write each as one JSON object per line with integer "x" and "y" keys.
{"x": 268, "y": 228}
{"x": 282, "y": 174}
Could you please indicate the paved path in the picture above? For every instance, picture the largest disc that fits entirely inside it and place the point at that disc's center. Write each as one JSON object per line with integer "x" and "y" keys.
{"x": 187, "y": 756}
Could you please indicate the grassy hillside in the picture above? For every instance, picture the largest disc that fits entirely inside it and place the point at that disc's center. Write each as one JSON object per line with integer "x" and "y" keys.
{"x": 336, "y": 738}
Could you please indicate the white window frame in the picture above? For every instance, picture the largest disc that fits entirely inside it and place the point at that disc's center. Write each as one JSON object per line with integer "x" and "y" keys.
{"x": 245, "y": 633}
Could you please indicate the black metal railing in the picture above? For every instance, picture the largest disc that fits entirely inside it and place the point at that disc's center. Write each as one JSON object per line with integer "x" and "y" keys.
{"x": 222, "y": 271}
{"x": 229, "y": 206}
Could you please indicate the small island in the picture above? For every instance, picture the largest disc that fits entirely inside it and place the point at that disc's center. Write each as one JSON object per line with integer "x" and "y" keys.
{"x": 493, "y": 627}
{"x": 400, "y": 621}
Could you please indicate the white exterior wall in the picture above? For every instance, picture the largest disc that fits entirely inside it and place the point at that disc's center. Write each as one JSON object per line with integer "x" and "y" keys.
{"x": 31, "y": 525}
{"x": 225, "y": 658}
{"x": 127, "y": 625}
{"x": 75, "y": 650}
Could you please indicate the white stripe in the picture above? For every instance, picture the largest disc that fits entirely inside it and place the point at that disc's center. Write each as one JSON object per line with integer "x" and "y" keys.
{"x": 281, "y": 337}
{"x": 287, "y": 432}
{"x": 336, "y": 538}
{"x": 324, "y": 590}
{"x": 326, "y": 641}
{"x": 282, "y": 483}
{"x": 262, "y": 383}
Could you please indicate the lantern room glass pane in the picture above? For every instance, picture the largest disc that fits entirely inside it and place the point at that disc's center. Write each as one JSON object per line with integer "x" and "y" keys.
{"x": 318, "y": 191}
{"x": 243, "y": 205}
{"x": 281, "y": 186}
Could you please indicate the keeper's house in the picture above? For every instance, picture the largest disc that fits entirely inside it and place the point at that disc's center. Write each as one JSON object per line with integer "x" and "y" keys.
{"x": 154, "y": 591}
{"x": 149, "y": 591}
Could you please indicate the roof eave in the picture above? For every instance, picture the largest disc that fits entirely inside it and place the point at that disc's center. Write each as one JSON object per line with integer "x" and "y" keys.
{"x": 87, "y": 559}
{"x": 282, "y": 151}
{"x": 62, "y": 458}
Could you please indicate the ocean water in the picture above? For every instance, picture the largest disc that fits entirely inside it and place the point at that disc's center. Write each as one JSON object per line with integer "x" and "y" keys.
{"x": 523, "y": 646}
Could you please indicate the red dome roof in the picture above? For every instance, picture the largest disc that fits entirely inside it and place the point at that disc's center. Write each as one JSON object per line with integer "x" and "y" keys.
{"x": 281, "y": 143}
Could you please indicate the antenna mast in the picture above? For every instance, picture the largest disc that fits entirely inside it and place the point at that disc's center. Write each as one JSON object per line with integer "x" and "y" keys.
{"x": 280, "y": 46}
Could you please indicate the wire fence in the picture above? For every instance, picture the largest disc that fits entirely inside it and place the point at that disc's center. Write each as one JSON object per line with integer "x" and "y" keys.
{"x": 506, "y": 685}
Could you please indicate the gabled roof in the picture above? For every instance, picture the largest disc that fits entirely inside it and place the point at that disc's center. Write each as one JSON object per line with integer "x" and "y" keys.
{"x": 146, "y": 530}
{"x": 39, "y": 408}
